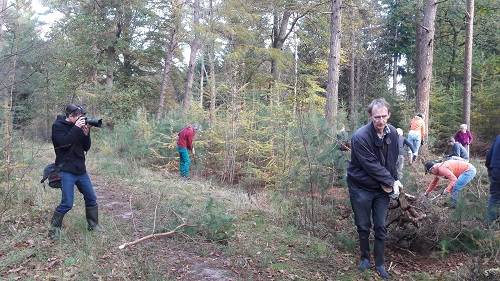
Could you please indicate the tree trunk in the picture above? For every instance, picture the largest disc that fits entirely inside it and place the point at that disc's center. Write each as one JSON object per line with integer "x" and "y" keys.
{"x": 424, "y": 57}
{"x": 202, "y": 78}
{"x": 166, "y": 70}
{"x": 395, "y": 66}
{"x": 110, "y": 69}
{"x": 451, "y": 72}
{"x": 195, "y": 46}
{"x": 468, "y": 62}
{"x": 170, "y": 54}
{"x": 211, "y": 61}
{"x": 332, "y": 87}
{"x": 280, "y": 25}
{"x": 3, "y": 7}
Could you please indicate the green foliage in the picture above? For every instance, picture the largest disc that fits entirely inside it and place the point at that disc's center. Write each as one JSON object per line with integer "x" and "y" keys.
{"x": 467, "y": 240}
{"x": 215, "y": 223}
{"x": 211, "y": 221}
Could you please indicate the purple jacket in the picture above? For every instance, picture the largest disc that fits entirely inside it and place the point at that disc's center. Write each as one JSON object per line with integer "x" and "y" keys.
{"x": 463, "y": 138}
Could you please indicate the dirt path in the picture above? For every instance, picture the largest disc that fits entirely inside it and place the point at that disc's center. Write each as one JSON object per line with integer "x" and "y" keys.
{"x": 181, "y": 261}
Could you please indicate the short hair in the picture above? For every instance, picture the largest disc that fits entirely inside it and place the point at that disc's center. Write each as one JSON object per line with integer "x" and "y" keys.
{"x": 380, "y": 102}
{"x": 450, "y": 139}
{"x": 463, "y": 126}
{"x": 74, "y": 110}
{"x": 197, "y": 127}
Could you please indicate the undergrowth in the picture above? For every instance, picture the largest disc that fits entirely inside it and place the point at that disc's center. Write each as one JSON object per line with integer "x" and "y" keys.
{"x": 284, "y": 231}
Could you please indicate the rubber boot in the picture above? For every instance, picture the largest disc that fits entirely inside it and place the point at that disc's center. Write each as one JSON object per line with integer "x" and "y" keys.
{"x": 378, "y": 254}
{"x": 92, "y": 214}
{"x": 364, "y": 247}
{"x": 55, "y": 225}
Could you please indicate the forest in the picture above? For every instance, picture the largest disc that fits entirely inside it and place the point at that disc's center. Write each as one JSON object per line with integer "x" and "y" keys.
{"x": 272, "y": 83}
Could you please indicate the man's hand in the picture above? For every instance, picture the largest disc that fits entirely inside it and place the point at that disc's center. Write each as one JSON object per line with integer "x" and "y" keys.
{"x": 396, "y": 190}
{"x": 80, "y": 122}
{"x": 489, "y": 172}
{"x": 86, "y": 129}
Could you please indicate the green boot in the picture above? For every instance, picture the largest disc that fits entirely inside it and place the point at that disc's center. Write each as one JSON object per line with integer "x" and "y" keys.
{"x": 55, "y": 225}
{"x": 92, "y": 214}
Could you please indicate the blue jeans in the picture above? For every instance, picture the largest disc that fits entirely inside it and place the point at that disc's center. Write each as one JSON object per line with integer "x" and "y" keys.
{"x": 184, "y": 161}
{"x": 494, "y": 203}
{"x": 415, "y": 141}
{"x": 84, "y": 185}
{"x": 462, "y": 180}
{"x": 366, "y": 205}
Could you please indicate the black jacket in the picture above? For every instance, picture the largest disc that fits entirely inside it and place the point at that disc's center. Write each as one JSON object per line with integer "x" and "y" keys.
{"x": 366, "y": 169}
{"x": 65, "y": 134}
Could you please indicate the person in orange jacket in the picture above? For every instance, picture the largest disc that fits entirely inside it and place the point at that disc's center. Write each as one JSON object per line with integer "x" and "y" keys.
{"x": 459, "y": 173}
{"x": 416, "y": 135}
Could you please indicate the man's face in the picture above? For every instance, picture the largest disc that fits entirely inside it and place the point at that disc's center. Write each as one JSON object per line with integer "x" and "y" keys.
{"x": 74, "y": 118}
{"x": 379, "y": 116}
{"x": 432, "y": 171}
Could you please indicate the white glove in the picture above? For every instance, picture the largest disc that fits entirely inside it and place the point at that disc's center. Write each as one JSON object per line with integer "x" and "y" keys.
{"x": 396, "y": 189}
{"x": 194, "y": 152}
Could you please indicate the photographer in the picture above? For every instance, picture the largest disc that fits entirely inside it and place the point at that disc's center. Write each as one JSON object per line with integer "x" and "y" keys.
{"x": 71, "y": 140}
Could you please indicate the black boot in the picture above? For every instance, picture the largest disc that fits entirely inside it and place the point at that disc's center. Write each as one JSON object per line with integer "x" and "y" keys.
{"x": 364, "y": 247}
{"x": 55, "y": 225}
{"x": 92, "y": 214}
{"x": 378, "y": 254}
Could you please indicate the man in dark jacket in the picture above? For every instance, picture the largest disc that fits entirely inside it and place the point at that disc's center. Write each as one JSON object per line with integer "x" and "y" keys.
{"x": 493, "y": 166}
{"x": 458, "y": 152}
{"x": 372, "y": 180}
{"x": 71, "y": 139}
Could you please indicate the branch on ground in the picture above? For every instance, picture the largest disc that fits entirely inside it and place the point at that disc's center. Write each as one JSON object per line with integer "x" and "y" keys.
{"x": 123, "y": 246}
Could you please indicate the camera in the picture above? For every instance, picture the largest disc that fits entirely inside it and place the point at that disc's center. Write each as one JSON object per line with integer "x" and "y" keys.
{"x": 96, "y": 122}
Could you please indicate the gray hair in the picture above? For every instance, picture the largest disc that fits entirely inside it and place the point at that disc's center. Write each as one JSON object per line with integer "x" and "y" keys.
{"x": 197, "y": 127}
{"x": 380, "y": 102}
{"x": 463, "y": 126}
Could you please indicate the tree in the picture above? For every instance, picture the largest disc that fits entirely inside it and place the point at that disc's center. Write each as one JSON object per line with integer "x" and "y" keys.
{"x": 469, "y": 24}
{"x": 177, "y": 8}
{"x": 332, "y": 88}
{"x": 195, "y": 46}
{"x": 424, "y": 57}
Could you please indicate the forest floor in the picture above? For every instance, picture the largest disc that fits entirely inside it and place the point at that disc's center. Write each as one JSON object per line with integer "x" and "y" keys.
{"x": 183, "y": 258}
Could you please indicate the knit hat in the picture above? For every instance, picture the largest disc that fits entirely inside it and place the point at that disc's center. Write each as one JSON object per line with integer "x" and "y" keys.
{"x": 428, "y": 167}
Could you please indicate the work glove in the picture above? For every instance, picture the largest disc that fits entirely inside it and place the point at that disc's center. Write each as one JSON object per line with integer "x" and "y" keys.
{"x": 194, "y": 152}
{"x": 422, "y": 142}
{"x": 396, "y": 189}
